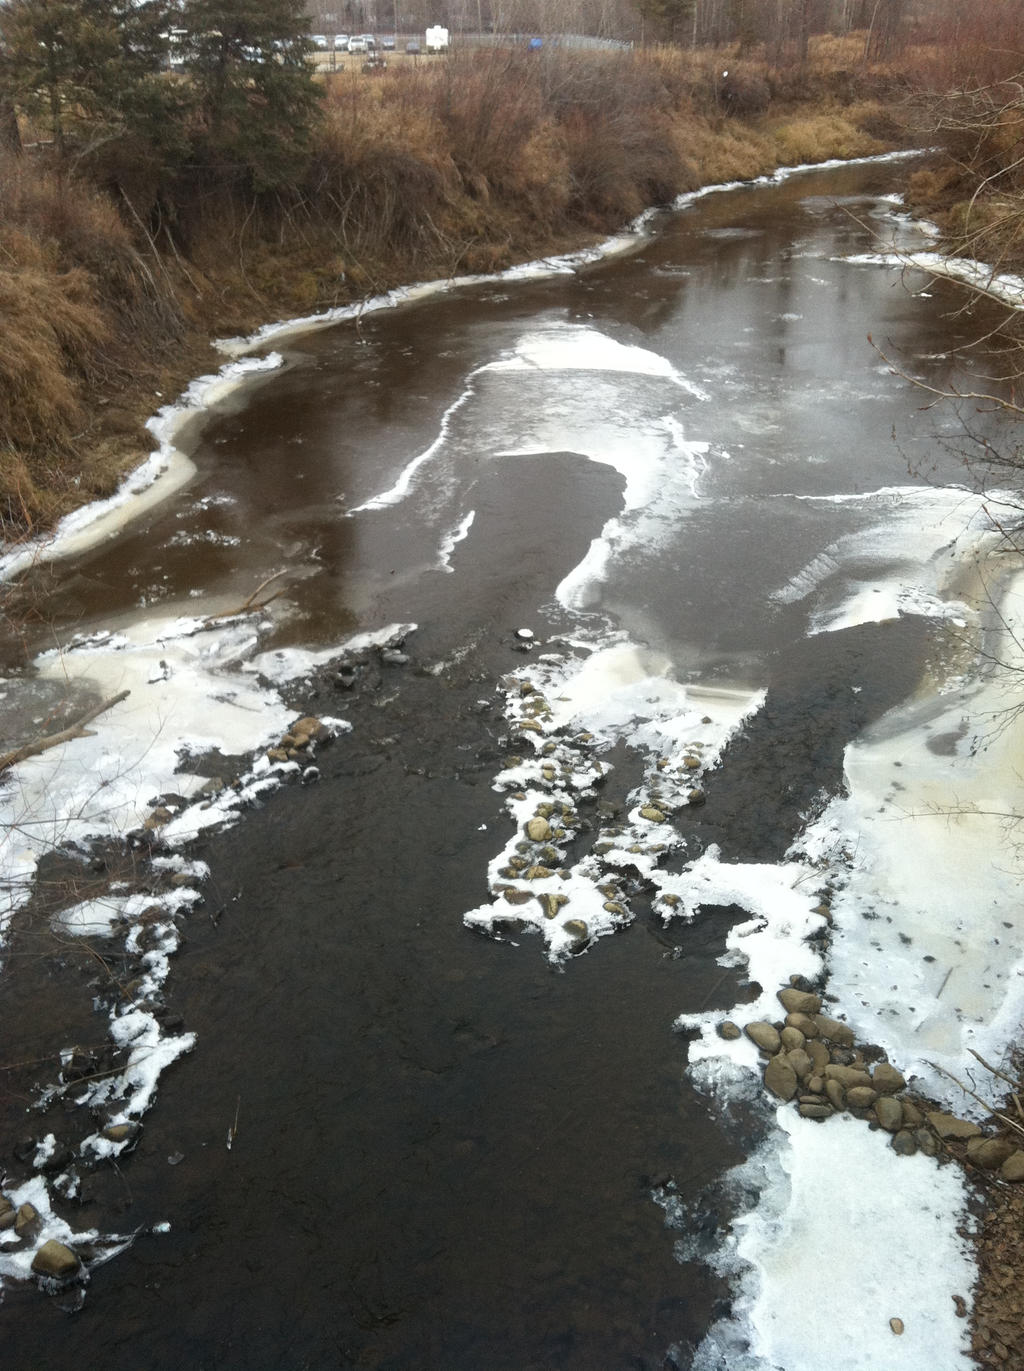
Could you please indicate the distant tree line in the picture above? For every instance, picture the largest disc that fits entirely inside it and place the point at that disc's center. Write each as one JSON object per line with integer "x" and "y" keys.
{"x": 781, "y": 24}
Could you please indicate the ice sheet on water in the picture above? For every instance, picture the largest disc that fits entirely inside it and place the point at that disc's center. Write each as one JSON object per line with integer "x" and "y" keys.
{"x": 843, "y": 1237}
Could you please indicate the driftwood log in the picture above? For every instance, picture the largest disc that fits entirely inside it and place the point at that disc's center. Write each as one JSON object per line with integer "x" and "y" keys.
{"x": 47, "y": 740}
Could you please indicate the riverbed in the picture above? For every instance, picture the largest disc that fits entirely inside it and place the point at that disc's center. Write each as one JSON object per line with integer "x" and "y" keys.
{"x": 664, "y": 554}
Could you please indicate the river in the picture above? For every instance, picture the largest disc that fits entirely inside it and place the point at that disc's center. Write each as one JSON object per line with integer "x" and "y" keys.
{"x": 639, "y": 550}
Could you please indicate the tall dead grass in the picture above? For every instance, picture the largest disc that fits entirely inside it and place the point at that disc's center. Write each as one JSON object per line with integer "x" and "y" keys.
{"x": 76, "y": 300}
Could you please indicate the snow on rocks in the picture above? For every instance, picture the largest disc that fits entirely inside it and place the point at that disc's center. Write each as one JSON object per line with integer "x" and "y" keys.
{"x": 564, "y": 715}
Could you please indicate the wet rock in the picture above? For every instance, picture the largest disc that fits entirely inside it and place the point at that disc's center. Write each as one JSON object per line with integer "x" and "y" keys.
{"x": 517, "y": 896}
{"x": 691, "y": 763}
{"x": 696, "y": 796}
{"x": 949, "y": 1126}
{"x": 989, "y": 1153}
{"x": 537, "y": 873}
{"x": 904, "y": 1143}
{"x": 390, "y": 656}
{"x": 158, "y": 818}
{"x": 728, "y": 1030}
{"x": 836, "y": 1094}
{"x": 8, "y": 1214}
{"x": 577, "y": 929}
{"x": 56, "y": 1261}
{"x": 652, "y": 814}
{"x": 847, "y": 1076}
{"x": 765, "y": 1036}
{"x": 27, "y": 1222}
{"x": 834, "y": 1031}
{"x": 538, "y": 830}
{"x": 277, "y": 754}
{"x": 816, "y": 1085}
{"x": 888, "y": 1112}
{"x": 345, "y": 679}
{"x": 780, "y": 1078}
{"x": 886, "y": 1079}
{"x": 799, "y": 1001}
{"x": 614, "y": 907}
{"x": 1012, "y": 1168}
{"x": 861, "y": 1097}
{"x": 816, "y": 1110}
{"x": 792, "y": 1038}
{"x": 804, "y": 1023}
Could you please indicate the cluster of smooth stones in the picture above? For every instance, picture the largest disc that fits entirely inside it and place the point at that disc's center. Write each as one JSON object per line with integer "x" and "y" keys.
{"x": 815, "y": 1060}
{"x": 53, "y": 1259}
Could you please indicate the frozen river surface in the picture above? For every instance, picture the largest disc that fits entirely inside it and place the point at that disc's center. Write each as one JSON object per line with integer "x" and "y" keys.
{"x": 657, "y": 602}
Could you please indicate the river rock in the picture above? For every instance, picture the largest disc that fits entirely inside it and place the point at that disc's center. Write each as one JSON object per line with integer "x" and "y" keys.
{"x": 949, "y": 1126}
{"x": 800, "y": 1062}
{"x": 834, "y": 1031}
{"x": 577, "y": 930}
{"x": 912, "y": 1116}
{"x": 652, "y": 814}
{"x": 538, "y": 830}
{"x": 804, "y": 1023}
{"x": 816, "y": 1085}
{"x": 1012, "y": 1168}
{"x": 799, "y": 1001}
{"x": 989, "y": 1153}
{"x": 780, "y": 1078}
{"x": 728, "y": 1030}
{"x": 816, "y": 1109}
{"x": 537, "y": 873}
{"x": 888, "y": 1112}
{"x": 792, "y": 1038}
{"x": 886, "y": 1079}
{"x": 7, "y": 1214}
{"x": 55, "y": 1260}
{"x": 836, "y": 1094}
{"x": 904, "y": 1143}
{"x": 311, "y": 727}
{"x": 927, "y": 1142}
{"x": 27, "y": 1222}
{"x": 765, "y": 1036}
{"x": 847, "y": 1076}
{"x": 696, "y": 796}
{"x": 552, "y": 903}
{"x": 861, "y": 1097}
{"x": 818, "y": 1053}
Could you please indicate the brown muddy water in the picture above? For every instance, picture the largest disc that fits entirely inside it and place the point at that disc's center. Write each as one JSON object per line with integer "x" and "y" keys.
{"x": 446, "y": 1152}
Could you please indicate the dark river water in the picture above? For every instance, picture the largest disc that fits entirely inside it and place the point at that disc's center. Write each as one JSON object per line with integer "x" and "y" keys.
{"x": 447, "y": 1149}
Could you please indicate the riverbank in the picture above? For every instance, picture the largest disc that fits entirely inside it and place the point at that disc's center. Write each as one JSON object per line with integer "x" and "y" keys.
{"x": 442, "y": 172}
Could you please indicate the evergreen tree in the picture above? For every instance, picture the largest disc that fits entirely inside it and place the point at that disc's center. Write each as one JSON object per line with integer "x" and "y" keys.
{"x": 254, "y": 90}
{"x": 85, "y": 71}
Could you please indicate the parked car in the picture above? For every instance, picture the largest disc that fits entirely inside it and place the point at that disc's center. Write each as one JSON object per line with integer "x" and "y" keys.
{"x": 413, "y": 47}
{"x": 357, "y": 43}
{"x": 319, "y": 41}
{"x": 387, "y": 44}
{"x": 341, "y": 42}
{"x": 370, "y": 41}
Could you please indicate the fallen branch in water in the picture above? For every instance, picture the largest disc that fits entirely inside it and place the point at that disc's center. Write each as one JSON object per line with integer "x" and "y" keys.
{"x": 248, "y": 605}
{"x": 76, "y": 730}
